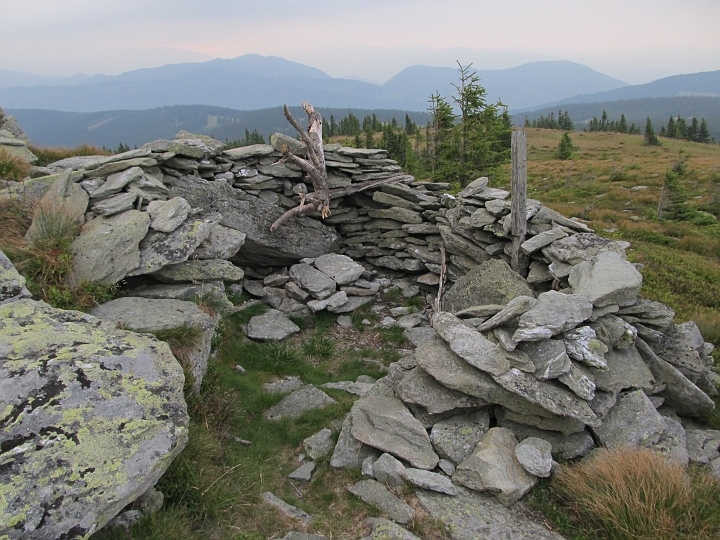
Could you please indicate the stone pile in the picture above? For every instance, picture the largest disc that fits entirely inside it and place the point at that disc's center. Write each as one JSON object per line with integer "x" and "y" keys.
{"x": 14, "y": 140}
{"x": 490, "y": 400}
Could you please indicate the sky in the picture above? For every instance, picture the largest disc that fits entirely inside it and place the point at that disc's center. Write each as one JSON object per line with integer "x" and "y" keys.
{"x": 633, "y": 40}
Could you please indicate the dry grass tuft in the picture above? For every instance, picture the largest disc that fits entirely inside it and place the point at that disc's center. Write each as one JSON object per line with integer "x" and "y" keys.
{"x": 50, "y": 155}
{"x": 639, "y": 495}
{"x": 12, "y": 166}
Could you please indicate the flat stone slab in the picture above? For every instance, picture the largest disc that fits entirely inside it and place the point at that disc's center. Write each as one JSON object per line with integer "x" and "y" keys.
{"x": 419, "y": 388}
{"x": 606, "y": 279}
{"x": 475, "y": 516}
{"x": 283, "y": 386}
{"x": 470, "y": 344}
{"x": 315, "y": 281}
{"x": 285, "y": 508}
{"x": 430, "y": 480}
{"x": 349, "y": 453}
{"x": 632, "y": 423}
{"x": 386, "y": 424}
{"x": 455, "y": 438}
{"x": 273, "y": 325}
{"x": 92, "y": 417}
{"x": 340, "y": 268}
{"x": 384, "y": 529}
{"x": 304, "y": 472}
{"x": 552, "y": 314}
{"x": 582, "y": 247}
{"x": 358, "y": 388}
{"x": 375, "y": 493}
{"x": 299, "y": 402}
{"x": 199, "y": 270}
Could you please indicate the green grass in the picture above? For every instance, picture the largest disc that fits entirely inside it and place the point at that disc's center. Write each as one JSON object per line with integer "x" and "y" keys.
{"x": 394, "y": 336}
{"x": 244, "y": 315}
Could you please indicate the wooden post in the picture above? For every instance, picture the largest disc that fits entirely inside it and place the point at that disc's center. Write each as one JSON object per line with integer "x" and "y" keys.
{"x": 519, "y": 261}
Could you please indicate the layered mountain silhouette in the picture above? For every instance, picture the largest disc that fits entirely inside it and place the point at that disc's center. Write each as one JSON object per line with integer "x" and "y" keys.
{"x": 253, "y": 82}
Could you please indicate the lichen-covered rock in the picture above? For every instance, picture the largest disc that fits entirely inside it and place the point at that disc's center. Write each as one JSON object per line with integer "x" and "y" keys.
{"x": 341, "y": 268}
{"x": 149, "y": 315}
{"x": 632, "y": 423}
{"x": 199, "y": 270}
{"x": 223, "y": 243}
{"x": 582, "y": 247}
{"x": 606, "y": 279}
{"x": 552, "y": 314}
{"x": 271, "y": 326}
{"x": 12, "y": 284}
{"x": 166, "y": 216}
{"x": 456, "y": 437}
{"x": 419, "y": 388}
{"x": 108, "y": 249}
{"x": 493, "y": 282}
{"x": 91, "y": 417}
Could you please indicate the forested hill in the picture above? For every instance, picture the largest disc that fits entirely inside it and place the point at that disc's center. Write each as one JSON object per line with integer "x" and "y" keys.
{"x": 109, "y": 128}
{"x": 637, "y": 111}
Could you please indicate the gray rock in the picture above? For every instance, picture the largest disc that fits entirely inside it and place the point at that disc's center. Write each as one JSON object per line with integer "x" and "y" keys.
{"x": 419, "y": 388}
{"x": 304, "y": 472}
{"x": 516, "y": 307}
{"x": 84, "y": 390}
{"x": 680, "y": 393}
{"x": 286, "y": 509}
{"x": 548, "y": 395}
{"x": 390, "y": 200}
{"x": 580, "y": 380}
{"x": 553, "y": 313}
{"x": 481, "y": 217}
{"x": 470, "y": 344}
{"x": 435, "y": 357}
{"x": 283, "y": 386}
{"x": 223, "y": 243}
{"x": 626, "y": 369}
{"x": 244, "y": 152}
{"x": 543, "y": 239}
{"x": 582, "y": 247}
{"x": 386, "y": 424}
{"x": 166, "y": 216}
{"x": 148, "y": 315}
{"x": 614, "y": 332}
{"x": 148, "y": 188}
{"x": 108, "y": 249}
{"x": 279, "y": 170}
{"x": 494, "y": 467}
{"x": 534, "y": 455}
{"x": 278, "y": 140}
{"x": 430, "y": 480}
{"x": 472, "y": 516}
{"x": 446, "y": 466}
{"x": 357, "y": 388}
{"x": 549, "y": 357}
{"x": 455, "y": 439}
{"x": 273, "y": 325}
{"x": 389, "y": 471}
{"x": 681, "y": 346}
{"x": 376, "y": 494}
{"x": 199, "y": 270}
{"x": 493, "y": 282}
{"x": 563, "y": 446}
{"x": 352, "y": 304}
{"x": 299, "y": 402}
{"x": 606, "y": 279}
{"x": 673, "y": 443}
{"x": 384, "y": 529}
{"x": 416, "y": 335}
{"x": 336, "y": 300}
{"x": 299, "y": 237}
{"x": 459, "y": 245}
{"x": 294, "y": 535}
{"x": 340, "y": 268}
{"x": 114, "y": 204}
{"x": 12, "y": 284}
{"x": 581, "y": 345}
{"x": 703, "y": 445}
{"x": 318, "y": 283}
{"x": 632, "y": 423}
{"x": 349, "y": 453}
{"x": 366, "y": 469}
{"x": 652, "y": 313}
{"x": 715, "y": 468}
{"x": 566, "y": 426}
{"x": 116, "y": 182}
{"x": 161, "y": 249}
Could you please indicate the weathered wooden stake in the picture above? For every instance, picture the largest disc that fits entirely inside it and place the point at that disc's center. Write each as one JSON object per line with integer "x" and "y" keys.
{"x": 519, "y": 261}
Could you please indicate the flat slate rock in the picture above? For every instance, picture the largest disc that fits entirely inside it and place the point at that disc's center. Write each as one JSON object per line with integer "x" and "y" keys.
{"x": 606, "y": 279}
{"x": 374, "y": 493}
{"x": 283, "y": 386}
{"x": 455, "y": 438}
{"x": 386, "y": 424}
{"x": 479, "y": 516}
{"x": 285, "y": 508}
{"x": 340, "y": 268}
{"x": 384, "y": 529}
{"x": 419, "y": 388}
{"x": 299, "y": 402}
{"x": 552, "y": 314}
{"x": 304, "y": 472}
{"x": 273, "y": 325}
{"x": 430, "y": 480}
{"x": 349, "y": 453}
{"x": 632, "y": 423}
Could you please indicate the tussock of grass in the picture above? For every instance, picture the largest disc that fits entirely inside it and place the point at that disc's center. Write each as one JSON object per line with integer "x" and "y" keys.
{"x": 181, "y": 339}
{"x": 639, "y": 495}
{"x": 244, "y": 315}
{"x": 12, "y": 166}
{"x": 393, "y": 336}
{"x": 318, "y": 347}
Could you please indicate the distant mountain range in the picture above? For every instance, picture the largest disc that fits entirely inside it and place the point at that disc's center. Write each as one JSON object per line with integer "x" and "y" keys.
{"x": 254, "y": 82}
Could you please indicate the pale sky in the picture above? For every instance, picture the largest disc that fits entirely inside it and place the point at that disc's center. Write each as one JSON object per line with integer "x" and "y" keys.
{"x": 633, "y": 40}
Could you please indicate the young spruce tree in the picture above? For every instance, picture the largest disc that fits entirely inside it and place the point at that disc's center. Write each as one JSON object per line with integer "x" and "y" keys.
{"x": 565, "y": 148}
{"x": 650, "y": 137}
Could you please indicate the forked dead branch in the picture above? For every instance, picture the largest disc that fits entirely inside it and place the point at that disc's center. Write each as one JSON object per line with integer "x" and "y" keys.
{"x": 314, "y": 168}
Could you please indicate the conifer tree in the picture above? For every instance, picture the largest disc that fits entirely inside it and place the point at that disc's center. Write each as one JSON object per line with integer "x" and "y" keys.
{"x": 671, "y": 128}
{"x": 622, "y": 126}
{"x": 693, "y": 129}
{"x": 650, "y": 137}
{"x": 565, "y": 148}
{"x": 703, "y": 132}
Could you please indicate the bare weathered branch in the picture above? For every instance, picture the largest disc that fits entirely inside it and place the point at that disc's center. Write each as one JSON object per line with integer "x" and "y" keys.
{"x": 301, "y": 209}
{"x": 303, "y": 134}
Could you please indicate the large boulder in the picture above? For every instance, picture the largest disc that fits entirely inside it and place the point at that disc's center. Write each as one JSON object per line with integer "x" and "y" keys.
{"x": 93, "y": 416}
{"x": 189, "y": 328}
{"x": 493, "y": 282}
{"x": 298, "y": 237}
{"x": 12, "y": 284}
{"x": 606, "y": 279}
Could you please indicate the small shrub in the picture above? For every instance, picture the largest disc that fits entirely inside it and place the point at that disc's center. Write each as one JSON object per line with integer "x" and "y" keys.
{"x": 618, "y": 175}
{"x": 639, "y": 495}
{"x": 12, "y": 166}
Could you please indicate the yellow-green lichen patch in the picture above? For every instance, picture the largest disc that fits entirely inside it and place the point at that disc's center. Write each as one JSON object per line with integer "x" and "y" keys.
{"x": 97, "y": 417}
